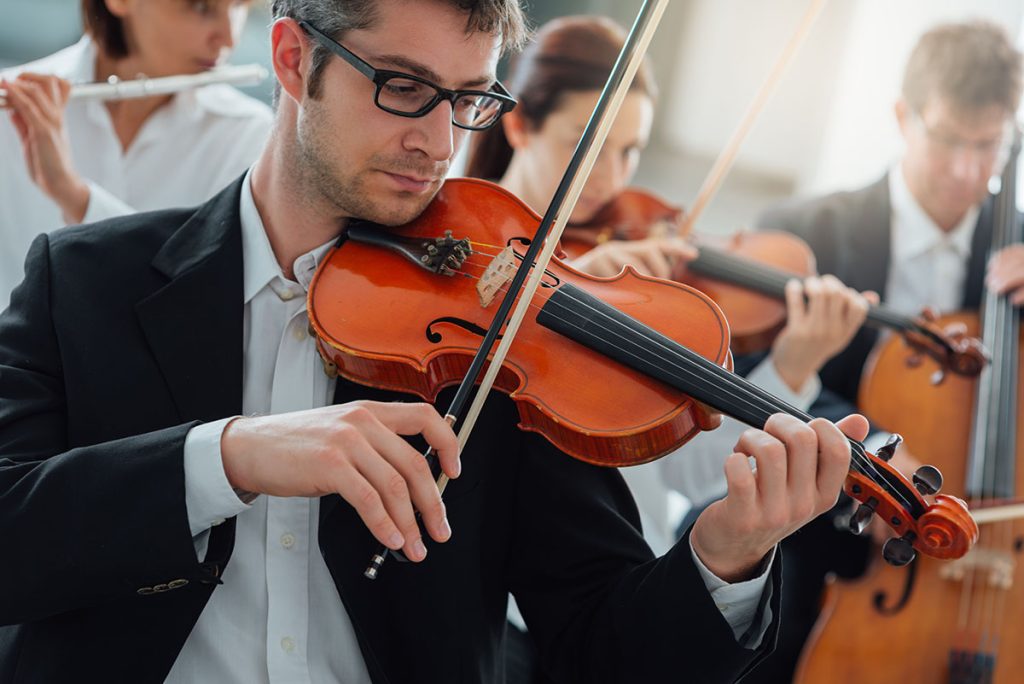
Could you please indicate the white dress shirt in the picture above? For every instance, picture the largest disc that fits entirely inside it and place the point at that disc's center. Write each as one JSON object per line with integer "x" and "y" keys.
{"x": 927, "y": 265}
{"x": 278, "y": 616}
{"x": 187, "y": 150}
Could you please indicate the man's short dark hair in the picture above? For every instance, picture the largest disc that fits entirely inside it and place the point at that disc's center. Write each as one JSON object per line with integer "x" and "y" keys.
{"x": 972, "y": 65}
{"x": 104, "y": 28}
{"x": 502, "y": 18}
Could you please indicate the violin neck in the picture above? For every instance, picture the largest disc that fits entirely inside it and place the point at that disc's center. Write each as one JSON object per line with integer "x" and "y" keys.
{"x": 585, "y": 319}
{"x": 770, "y": 281}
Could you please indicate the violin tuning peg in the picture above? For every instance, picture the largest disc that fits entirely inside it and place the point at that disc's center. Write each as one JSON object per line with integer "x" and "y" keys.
{"x": 928, "y": 480}
{"x": 861, "y": 517}
{"x": 898, "y": 551}
{"x": 889, "y": 448}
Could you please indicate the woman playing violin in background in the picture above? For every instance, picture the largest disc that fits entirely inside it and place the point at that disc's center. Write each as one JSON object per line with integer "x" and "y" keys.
{"x": 87, "y": 160}
{"x": 557, "y": 80}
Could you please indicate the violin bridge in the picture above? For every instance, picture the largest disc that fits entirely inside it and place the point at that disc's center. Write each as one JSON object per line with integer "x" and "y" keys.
{"x": 498, "y": 273}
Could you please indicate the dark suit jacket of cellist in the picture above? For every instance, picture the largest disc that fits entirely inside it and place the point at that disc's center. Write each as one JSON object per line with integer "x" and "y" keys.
{"x": 127, "y": 333}
{"x": 851, "y": 236}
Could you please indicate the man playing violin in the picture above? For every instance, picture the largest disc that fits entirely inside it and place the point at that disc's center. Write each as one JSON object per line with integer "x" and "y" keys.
{"x": 206, "y": 496}
{"x": 919, "y": 236}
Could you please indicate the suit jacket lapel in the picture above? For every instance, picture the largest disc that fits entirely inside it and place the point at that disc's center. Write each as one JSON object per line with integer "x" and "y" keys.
{"x": 873, "y": 230}
{"x": 194, "y": 324}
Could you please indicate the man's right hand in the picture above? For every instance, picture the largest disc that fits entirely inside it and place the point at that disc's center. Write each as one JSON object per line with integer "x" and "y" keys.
{"x": 353, "y": 450}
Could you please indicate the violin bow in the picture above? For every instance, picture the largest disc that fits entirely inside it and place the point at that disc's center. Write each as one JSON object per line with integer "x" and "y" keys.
{"x": 542, "y": 247}
{"x": 727, "y": 157}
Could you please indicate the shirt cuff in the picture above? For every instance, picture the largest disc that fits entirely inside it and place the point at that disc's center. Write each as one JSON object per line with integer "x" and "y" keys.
{"x": 103, "y": 205}
{"x": 209, "y": 497}
{"x": 739, "y": 602}
{"x": 767, "y": 378}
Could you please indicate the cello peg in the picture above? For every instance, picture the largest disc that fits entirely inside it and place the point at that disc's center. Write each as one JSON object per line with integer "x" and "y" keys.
{"x": 862, "y": 516}
{"x": 889, "y": 448}
{"x": 928, "y": 480}
{"x": 898, "y": 551}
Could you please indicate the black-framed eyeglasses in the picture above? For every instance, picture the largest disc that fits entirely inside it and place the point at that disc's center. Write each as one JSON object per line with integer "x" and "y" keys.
{"x": 407, "y": 95}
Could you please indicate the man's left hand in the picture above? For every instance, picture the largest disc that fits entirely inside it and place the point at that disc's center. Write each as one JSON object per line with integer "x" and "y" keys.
{"x": 1006, "y": 273}
{"x": 800, "y": 470}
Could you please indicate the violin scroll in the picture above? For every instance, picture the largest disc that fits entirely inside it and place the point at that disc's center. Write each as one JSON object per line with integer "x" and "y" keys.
{"x": 943, "y": 529}
{"x": 950, "y": 347}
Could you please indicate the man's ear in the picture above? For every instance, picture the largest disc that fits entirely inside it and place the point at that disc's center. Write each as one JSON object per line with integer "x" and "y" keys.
{"x": 119, "y": 8}
{"x": 517, "y": 131}
{"x": 290, "y": 53}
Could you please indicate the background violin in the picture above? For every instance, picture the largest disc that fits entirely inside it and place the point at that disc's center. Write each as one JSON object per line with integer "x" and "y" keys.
{"x": 746, "y": 275}
{"x": 614, "y": 371}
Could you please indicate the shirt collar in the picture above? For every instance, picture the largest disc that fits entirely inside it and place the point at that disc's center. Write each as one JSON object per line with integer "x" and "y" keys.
{"x": 914, "y": 232}
{"x": 81, "y": 65}
{"x": 259, "y": 265}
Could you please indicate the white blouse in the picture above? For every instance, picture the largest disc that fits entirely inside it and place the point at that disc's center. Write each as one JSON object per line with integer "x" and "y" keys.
{"x": 186, "y": 151}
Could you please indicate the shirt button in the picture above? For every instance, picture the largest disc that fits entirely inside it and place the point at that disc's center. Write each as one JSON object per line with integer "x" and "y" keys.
{"x": 286, "y": 295}
{"x": 287, "y": 540}
{"x": 299, "y": 332}
{"x": 218, "y": 521}
{"x": 287, "y": 644}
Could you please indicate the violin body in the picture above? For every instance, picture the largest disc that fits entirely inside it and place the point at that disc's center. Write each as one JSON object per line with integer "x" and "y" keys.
{"x": 955, "y": 612}
{"x": 632, "y": 215}
{"x": 386, "y": 322}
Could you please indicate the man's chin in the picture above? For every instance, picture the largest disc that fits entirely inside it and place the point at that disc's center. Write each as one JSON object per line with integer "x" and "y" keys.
{"x": 396, "y": 209}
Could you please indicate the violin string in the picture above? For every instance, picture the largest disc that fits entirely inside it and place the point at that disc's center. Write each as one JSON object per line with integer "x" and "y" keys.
{"x": 748, "y": 396}
{"x": 770, "y": 404}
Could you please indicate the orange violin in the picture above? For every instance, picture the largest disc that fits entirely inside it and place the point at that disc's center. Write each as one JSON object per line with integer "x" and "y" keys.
{"x": 615, "y": 371}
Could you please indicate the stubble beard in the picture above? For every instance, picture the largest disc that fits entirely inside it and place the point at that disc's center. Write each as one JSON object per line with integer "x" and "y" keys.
{"x": 347, "y": 194}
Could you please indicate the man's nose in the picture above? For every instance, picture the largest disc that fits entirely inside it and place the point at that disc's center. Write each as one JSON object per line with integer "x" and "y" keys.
{"x": 433, "y": 134}
{"x": 967, "y": 163}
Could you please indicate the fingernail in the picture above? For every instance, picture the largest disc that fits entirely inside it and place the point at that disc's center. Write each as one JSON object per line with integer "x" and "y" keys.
{"x": 458, "y": 467}
{"x": 419, "y": 550}
{"x": 445, "y": 530}
{"x": 396, "y": 541}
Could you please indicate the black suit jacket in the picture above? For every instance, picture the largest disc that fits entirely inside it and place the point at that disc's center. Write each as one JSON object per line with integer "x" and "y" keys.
{"x": 850, "y": 234}
{"x": 127, "y": 333}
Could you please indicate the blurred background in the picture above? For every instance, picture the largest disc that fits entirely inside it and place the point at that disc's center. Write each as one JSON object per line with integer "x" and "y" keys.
{"x": 828, "y": 126}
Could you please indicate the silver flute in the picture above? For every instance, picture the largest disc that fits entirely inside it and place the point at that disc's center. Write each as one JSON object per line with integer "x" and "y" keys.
{"x": 116, "y": 89}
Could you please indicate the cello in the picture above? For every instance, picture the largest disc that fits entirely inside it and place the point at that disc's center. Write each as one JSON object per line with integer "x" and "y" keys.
{"x": 961, "y": 622}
